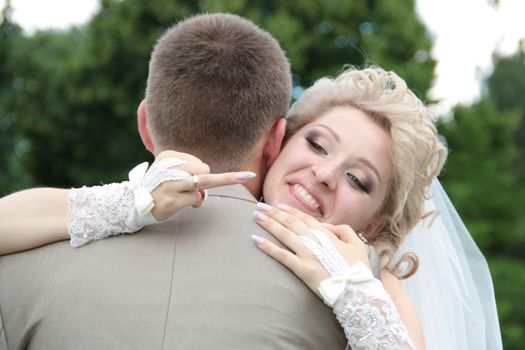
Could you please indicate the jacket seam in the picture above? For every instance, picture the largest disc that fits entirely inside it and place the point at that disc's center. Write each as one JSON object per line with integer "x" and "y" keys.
{"x": 2, "y": 330}
{"x": 170, "y": 288}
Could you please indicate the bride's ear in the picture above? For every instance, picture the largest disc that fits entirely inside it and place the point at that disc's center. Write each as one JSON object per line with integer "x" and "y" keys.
{"x": 142, "y": 120}
{"x": 274, "y": 141}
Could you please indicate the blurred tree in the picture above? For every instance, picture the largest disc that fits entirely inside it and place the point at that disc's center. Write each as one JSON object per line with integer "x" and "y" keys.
{"x": 77, "y": 91}
{"x": 509, "y": 283}
{"x": 10, "y": 35}
{"x": 505, "y": 87}
{"x": 480, "y": 173}
{"x": 68, "y": 99}
{"x": 320, "y": 36}
{"x": 486, "y": 177}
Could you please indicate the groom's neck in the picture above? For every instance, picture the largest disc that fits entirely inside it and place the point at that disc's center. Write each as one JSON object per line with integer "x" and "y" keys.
{"x": 255, "y": 187}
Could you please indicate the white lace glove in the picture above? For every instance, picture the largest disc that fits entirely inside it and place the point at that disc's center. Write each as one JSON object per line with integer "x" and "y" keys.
{"x": 362, "y": 306}
{"x": 101, "y": 211}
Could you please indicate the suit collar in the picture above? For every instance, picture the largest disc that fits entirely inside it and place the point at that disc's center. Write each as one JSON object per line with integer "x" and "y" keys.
{"x": 237, "y": 191}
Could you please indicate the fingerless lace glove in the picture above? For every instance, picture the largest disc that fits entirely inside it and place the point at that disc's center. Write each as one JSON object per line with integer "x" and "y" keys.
{"x": 101, "y": 211}
{"x": 362, "y": 306}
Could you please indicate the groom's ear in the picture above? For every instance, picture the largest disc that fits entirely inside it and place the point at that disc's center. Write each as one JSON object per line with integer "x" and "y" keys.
{"x": 142, "y": 120}
{"x": 274, "y": 142}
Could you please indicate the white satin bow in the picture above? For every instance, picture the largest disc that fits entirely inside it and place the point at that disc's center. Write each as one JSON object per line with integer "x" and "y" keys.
{"x": 333, "y": 288}
{"x": 142, "y": 198}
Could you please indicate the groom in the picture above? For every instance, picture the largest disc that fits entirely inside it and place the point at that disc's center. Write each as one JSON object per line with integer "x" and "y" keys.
{"x": 218, "y": 87}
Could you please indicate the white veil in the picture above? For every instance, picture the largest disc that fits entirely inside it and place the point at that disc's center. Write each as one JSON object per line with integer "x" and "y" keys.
{"x": 452, "y": 289}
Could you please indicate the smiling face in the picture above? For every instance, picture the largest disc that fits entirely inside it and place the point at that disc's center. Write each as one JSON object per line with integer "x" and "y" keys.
{"x": 337, "y": 168}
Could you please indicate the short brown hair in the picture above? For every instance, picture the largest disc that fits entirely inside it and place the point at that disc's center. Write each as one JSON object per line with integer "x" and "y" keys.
{"x": 216, "y": 85}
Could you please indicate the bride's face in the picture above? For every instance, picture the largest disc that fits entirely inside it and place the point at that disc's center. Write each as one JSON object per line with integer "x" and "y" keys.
{"x": 337, "y": 169}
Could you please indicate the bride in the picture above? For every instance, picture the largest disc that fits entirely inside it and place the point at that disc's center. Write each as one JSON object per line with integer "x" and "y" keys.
{"x": 362, "y": 154}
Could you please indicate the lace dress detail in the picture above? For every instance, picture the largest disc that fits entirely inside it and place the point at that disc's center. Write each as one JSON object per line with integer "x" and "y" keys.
{"x": 161, "y": 172}
{"x": 362, "y": 306}
{"x": 370, "y": 320}
{"x": 101, "y": 211}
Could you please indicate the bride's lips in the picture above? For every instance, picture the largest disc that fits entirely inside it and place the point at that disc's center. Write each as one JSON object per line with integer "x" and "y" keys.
{"x": 306, "y": 196}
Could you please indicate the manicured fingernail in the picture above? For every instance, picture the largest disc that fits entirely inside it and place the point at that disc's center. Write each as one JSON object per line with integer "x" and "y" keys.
{"x": 325, "y": 224}
{"x": 258, "y": 240}
{"x": 205, "y": 195}
{"x": 283, "y": 207}
{"x": 264, "y": 207}
{"x": 245, "y": 175}
{"x": 259, "y": 216}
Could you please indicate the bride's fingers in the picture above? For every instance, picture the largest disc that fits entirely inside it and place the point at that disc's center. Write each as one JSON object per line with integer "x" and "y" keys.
{"x": 287, "y": 237}
{"x": 216, "y": 180}
{"x": 283, "y": 256}
{"x": 203, "y": 181}
{"x": 203, "y": 194}
{"x": 307, "y": 219}
{"x": 287, "y": 220}
{"x": 345, "y": 233}
{"x": 193, "y": 168}
{"x": 166, "y": 205}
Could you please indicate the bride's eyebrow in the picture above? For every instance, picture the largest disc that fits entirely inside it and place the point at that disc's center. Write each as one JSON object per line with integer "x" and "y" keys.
{"x": 330, "y": 130}
{"x": 363, "y": 161}
{"x": 371, "y": 166}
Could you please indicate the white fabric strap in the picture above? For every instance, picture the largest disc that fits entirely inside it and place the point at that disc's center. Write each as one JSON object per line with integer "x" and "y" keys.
{"x": 101, "y": 211}
{"x": 325, "y": 252}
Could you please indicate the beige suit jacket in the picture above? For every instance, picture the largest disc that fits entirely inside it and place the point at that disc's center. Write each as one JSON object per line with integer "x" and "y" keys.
{"x": 194, "y": 282}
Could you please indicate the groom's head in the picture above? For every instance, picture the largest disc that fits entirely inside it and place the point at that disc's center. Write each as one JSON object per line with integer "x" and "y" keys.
{"x": 217, "y": 86}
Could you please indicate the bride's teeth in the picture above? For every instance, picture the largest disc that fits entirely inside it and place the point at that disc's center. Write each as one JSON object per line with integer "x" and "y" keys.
{"x": 311, "y": 200}
{"x": 306, "y": 196}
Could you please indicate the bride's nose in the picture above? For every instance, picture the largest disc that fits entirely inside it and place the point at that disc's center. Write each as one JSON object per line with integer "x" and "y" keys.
{"x": 325, "y": 174}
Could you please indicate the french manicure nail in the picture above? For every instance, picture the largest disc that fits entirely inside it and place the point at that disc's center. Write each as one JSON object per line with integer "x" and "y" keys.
{"x": 264, "y": 207}
{"x": 258, "y": 240}
{"x": 284, "y": 207}
{"x": 245, "y": 175}
{"x": 259, "y": 216}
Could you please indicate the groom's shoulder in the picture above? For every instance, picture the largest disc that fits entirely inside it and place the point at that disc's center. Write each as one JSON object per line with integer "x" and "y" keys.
{"x": 235, "y": 195}
{"x": 226, "y": 213}
{"x": 226, "y": 208}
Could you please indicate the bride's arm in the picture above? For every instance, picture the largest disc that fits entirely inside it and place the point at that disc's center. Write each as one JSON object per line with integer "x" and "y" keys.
{"x": 405, "y": 307}
{"x": 334, "y": 264}
{"x": 32, "y": 218}
{"x": 40, "y": 216}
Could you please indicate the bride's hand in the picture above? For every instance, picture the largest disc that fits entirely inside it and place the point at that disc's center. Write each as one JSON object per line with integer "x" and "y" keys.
{"x": 287, "y": 225}
{"x": 171, "y": 196}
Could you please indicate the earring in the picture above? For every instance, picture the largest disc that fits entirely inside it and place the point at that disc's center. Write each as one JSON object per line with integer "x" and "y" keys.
{"x": 361, "y": 237}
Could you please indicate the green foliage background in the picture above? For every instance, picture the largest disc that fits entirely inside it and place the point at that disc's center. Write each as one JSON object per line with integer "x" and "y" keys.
{"x": 68, "y": 104}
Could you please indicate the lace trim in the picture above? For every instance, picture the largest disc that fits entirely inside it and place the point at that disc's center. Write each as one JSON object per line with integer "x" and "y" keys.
{"x": 326, "y": 253}
{"x": 99, "y": 211}
{"x": 162, "y": 171}
{"x": 362, "y": 306}
{"x": 371, "y": 321}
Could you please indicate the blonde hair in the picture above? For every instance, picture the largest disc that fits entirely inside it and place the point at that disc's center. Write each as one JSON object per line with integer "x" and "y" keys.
{"x": 417, "y": 154}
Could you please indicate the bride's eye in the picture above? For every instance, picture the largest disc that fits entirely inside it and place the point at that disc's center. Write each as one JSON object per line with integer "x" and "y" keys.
{"x": 355, "y": 180}
{"x": 314, "y": 145}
